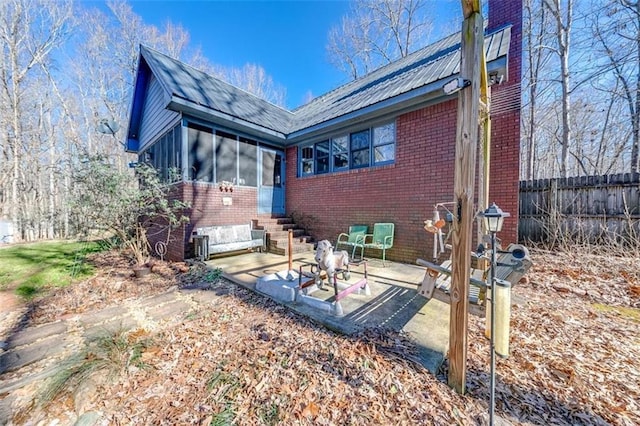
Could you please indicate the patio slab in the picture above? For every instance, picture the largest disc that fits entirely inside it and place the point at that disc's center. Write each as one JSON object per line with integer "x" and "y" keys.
{"x": 393, "y": 301}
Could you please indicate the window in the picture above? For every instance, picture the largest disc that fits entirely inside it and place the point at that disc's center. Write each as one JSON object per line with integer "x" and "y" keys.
{"x": 384, "y": 143}
{"x": 177, "y": 152}
{"x": 322, "y": 157}
{"x": 248, "y": 162}
{"x": 200, "y": 153}
{"x": 360, "y": 149}
{"x": 226, "y": 157}
{"x": 165, "y": 155}
{"x": 370, "y": 147}
{"x": 307, "y": 160}
{"x": 340, "y": 147}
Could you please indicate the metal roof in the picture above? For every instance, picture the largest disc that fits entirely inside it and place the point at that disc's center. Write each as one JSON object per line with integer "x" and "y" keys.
{"x": 195, "y": 86}
{"x": 438, "y": 61}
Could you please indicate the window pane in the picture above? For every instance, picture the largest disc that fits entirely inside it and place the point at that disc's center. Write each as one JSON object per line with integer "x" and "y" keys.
{"x": 340, "y": 152}
{"x": 177, "y": 134}
{"x": 164, "y": 163}
{"x": 248, "y": 167}
{"x": 384, "y": 153}
{"x": 383, "y": 135}
{"x": 200, "y": 155}
{"x": 360, "y": 140}
{"x": 307, "y": 153}
{"x": 322, "y": 157}
{"x": 226, "y": 157}
{"x": 171, "y": 161}
{"x": 307, "y": 160}
{"x": 271, "y": 169}
{"x": 360, "y": 149}
{"x": 360, "y": 158}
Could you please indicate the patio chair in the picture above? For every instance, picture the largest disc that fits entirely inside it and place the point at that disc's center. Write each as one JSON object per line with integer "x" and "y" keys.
{"x": 353, "y": 239}
{"x": 381, "y": 239}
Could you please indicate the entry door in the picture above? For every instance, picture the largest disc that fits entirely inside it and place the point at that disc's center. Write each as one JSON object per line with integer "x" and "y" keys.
{"x": 271, "y": 185}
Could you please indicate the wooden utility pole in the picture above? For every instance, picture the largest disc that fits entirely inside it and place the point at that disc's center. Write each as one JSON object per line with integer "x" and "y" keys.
{"x": 464, "y": 180}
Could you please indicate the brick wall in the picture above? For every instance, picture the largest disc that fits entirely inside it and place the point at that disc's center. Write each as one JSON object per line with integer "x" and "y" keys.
{"x": 505, "y": 116}
{"x": 404, "y": 193}
{"x": 207, "y": 209}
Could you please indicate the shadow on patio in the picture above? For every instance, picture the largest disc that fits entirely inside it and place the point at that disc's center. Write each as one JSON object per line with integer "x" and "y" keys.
{"x": 393, "y": 303}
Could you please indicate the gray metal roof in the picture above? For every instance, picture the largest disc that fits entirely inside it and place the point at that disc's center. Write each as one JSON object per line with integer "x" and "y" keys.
{"x": 190, "y": 84}
{"x": 438, "y": 61}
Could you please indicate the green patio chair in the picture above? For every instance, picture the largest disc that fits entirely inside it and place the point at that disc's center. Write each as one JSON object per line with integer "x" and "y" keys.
{"x": 353, "y": 240}
{"x": 381, "y": 239}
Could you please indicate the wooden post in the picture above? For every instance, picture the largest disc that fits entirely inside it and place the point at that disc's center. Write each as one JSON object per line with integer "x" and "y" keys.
{"x": 464, "y": 180}
{"x": 484, "y": 171}
{"x": 290, "y": 250}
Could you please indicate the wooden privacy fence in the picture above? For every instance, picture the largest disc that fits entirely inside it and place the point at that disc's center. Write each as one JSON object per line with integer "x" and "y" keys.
{"x": 584, "y": 209}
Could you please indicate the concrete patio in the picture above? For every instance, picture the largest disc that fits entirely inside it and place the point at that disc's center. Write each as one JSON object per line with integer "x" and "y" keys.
{"x": 393, "y": 303}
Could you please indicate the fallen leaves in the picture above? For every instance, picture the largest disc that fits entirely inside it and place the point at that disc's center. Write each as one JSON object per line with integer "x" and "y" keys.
{"x": 246, "y": 360}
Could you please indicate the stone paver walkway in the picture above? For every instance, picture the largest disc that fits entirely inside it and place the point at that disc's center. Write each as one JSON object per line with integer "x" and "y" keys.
{"x": 33, "y": 354}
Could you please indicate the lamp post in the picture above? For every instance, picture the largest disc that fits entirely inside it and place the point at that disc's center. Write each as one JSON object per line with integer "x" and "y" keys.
{"x": 493, "y": 219}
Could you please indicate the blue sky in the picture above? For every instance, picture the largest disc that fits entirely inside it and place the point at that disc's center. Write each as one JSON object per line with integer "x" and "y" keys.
{"x": 287, "y": 38}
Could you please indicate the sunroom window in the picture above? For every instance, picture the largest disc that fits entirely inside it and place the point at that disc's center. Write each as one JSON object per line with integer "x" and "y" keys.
{"x": 384, "y": 143}
{"x": 360, "y": 149}
{"x": 307, "y": 160}
{"x": 322, "y": 157}
{"x": 340, "y": 147}
{"x": 226, "y": 157}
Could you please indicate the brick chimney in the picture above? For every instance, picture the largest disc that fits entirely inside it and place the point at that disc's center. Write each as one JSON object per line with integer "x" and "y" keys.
{"x": 505, "y": 115}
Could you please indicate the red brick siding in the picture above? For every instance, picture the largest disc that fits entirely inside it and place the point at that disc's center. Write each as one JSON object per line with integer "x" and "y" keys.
{"x": 207, "y": 209}
{"x": 404, "y": 193}
{"x": 505, "y": 107}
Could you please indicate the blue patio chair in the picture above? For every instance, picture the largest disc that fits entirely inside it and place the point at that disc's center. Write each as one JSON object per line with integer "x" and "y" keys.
{"x": 381, "y": 239}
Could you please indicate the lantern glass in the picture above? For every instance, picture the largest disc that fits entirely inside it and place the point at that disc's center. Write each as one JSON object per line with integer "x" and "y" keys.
{"x": 493, "y": 224}
{"x": 493, "y": 218}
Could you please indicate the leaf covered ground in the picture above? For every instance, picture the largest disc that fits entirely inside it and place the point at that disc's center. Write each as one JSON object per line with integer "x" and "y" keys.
{"x": 247, "y": 360}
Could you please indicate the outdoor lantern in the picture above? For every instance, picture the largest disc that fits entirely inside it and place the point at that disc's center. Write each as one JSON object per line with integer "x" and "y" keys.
{"x": 493, "y": 218}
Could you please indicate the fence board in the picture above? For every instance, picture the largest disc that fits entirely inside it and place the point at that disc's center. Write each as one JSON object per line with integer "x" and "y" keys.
{"x": 586, "y": 208}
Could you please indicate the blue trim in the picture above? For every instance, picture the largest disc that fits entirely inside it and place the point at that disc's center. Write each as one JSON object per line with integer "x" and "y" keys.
{"x": 133, "y": 145}
{"x": 140, "y": 89}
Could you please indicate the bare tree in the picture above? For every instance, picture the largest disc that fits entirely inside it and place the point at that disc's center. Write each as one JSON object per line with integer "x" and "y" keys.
{"x": 537, "y": 59}
{"x": 29, "y": 31}
{"x": 616, "y": 29}
{"x": 377, "y": 32}
{"x": 254, "y": 79}
{"x": 563, "y": 20}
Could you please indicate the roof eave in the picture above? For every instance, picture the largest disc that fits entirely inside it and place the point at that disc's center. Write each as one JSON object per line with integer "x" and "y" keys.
{"x": 414, "y": 99}
{"x": 223, "y": 119}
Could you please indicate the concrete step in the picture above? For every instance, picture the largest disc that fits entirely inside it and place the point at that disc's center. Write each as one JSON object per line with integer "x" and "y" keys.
{"x": 297, "y": 248}
{"x": 284, "y": 241}
{"x": 284, "y": 235}
{"x": 277, "y": 227}
{"x": 272, "y": 221}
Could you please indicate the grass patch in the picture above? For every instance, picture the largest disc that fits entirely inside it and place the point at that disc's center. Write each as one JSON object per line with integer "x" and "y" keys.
{"x": 623, "y": 311}
{"x": 107, "y": 357}
{"x": 30, "y": 267}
